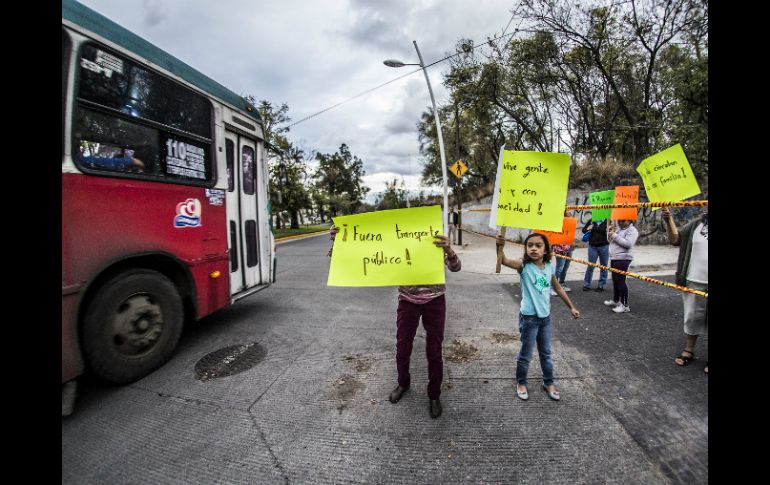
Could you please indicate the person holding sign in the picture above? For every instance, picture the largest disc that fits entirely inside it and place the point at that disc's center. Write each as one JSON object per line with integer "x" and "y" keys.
{"x": 537, "y": 278}
{"x": 426, "y": 302}
{"x": 621, "y": 243}
{"x": 692, "y": 271}
{"x": 597, "y": 249}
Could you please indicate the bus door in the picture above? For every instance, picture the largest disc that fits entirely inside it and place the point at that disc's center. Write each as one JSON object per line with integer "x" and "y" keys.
{"x": 241, "y": 158}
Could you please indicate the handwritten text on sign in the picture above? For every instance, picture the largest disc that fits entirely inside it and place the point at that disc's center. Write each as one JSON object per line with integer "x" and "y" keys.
{"x": 388, "y": 248}
{"x": 533, "y": 190}
{"x": 600, "y": 198}
{"x": 667, "y": 176}
{"x": 625, "y": 194}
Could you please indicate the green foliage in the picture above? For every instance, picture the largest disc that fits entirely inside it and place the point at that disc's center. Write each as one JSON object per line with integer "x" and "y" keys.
{"x": 394, "y": 196}
{"x": 340, "y": 178}
{"x": 609, "y": 81}
{"x": 336, "y": 187}
{"x": 305, "y": 229}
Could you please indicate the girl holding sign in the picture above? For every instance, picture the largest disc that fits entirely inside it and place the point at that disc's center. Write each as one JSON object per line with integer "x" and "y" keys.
{"x": 537, "y": 278}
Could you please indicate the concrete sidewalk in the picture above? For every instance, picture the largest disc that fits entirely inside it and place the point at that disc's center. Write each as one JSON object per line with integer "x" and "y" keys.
{"x": 478, "y": 255}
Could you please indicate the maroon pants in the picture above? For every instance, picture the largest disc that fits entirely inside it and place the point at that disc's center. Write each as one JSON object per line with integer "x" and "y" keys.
{"x": 433, "y": 316}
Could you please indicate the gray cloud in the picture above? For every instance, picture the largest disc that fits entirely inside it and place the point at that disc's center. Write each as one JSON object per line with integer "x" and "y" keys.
{"x": 154, "y": 12}
{"x": 313, "y": 55}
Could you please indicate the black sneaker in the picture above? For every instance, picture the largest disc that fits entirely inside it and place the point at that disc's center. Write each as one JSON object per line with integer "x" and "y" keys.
{"x": 599, "y": 288}
{"x": 435, "y": 408}
{"x": 395, "y": 396}
{"x": 586, "y": 288}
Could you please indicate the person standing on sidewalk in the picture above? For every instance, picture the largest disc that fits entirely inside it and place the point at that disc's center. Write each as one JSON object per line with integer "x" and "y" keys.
{"x": 562, "y": 264}
{"x": 597, "y": 249}
{"x": 622, "y": 242}
{"x": 428, "y": 302}
{"x": 537, "y": 278}
{"x": 453, "y": 222}
{"x": 692, "y": 271}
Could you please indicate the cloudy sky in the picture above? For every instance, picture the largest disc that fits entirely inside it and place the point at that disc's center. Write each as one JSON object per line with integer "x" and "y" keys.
{"x": 313, "y": 54}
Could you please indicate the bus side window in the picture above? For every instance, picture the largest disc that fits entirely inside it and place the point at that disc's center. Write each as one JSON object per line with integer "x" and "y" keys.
{"x": 109, "y": 157}
{"x": 104, "y": 142}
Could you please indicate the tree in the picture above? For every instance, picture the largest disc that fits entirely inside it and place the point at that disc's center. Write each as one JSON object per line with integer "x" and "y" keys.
{"x": 624, "y": 42}
{"x": 340, "y": 177}
{"x": 394, "y": 196}
{"x": 603, "y": 80}
{"x": 287, "y": 167}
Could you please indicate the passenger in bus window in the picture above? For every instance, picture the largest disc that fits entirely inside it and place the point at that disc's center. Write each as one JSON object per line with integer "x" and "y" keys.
{"x": 108, "y": 157}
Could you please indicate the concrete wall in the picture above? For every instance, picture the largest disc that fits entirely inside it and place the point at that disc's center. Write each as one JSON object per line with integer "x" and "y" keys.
{"x": 649, "y": 222}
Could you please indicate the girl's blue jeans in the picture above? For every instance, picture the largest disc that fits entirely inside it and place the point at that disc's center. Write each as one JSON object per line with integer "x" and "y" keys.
{"x": 534, "y": 330}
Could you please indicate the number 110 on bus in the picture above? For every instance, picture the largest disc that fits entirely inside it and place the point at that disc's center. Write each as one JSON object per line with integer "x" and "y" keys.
{"x": 176, "y": 149}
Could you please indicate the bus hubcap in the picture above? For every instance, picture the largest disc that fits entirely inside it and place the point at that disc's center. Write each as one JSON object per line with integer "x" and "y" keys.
{"x": 137, "y": 324}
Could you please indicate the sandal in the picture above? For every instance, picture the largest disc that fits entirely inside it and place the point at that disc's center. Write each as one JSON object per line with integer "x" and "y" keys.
{"x": 685, "y": 359}
{"x": 552, "y": 394}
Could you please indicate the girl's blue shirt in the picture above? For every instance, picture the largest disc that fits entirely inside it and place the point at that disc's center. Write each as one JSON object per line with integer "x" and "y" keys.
{"x": 536, "y": 289}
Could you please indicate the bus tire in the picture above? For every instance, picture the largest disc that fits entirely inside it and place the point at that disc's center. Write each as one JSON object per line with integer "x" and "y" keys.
{"x": 132, "y": 325}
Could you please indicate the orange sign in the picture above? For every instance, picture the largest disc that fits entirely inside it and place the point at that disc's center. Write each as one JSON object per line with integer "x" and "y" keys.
{"x": 627, "y": 194}
{"x": 567, "y": 234}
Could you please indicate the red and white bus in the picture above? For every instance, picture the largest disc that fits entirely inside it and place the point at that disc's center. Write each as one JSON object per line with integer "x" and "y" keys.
{"x": 165, "y": 215}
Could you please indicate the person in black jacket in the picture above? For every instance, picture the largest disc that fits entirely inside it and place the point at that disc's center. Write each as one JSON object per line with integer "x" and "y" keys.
{"x": 598, "y": 248}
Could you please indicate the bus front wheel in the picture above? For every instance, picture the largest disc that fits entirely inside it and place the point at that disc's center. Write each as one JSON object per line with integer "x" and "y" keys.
{"x": 132, "y": 325}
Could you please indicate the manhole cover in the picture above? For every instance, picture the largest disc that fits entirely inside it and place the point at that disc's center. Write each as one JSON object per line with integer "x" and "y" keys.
{"x": 229, "y": 361}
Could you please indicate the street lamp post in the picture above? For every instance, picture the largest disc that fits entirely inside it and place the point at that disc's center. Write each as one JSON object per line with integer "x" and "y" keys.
{"x": 396, "y": 63}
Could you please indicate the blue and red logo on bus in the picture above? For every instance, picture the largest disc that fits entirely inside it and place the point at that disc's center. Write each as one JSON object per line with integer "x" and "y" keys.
{"x": 188, "y": 213}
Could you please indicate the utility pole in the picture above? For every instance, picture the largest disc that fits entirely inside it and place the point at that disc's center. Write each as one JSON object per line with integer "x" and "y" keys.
{"x": 459, "y": 180}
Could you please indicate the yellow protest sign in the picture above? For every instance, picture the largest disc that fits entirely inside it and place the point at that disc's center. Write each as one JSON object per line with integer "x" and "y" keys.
{"x": 667, "y": 176}
{"x": 388, "y": 248}
{"x": 532, "y": 190}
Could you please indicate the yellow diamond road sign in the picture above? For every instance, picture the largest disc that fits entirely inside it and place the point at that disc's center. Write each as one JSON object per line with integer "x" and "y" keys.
{"x": 458, "y": 168}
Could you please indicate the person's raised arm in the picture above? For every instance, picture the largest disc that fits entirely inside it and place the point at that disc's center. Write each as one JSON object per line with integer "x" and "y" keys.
{"x": 671, "y": 231}
{"x": 510, "y": 262}
{"x": 332, "y": 234}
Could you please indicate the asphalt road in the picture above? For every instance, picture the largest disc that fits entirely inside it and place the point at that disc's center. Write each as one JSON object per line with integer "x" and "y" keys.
{"x": 315, "y": 408}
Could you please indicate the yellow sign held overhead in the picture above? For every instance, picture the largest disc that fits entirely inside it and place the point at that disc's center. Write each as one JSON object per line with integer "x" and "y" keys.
{"x": 458, "y": 169}
{"x": 531, "y": 190}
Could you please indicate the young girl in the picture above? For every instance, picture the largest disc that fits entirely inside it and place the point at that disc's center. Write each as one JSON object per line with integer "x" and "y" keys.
{"x": 537, "y": 278}
{"x": 621, "y": 243}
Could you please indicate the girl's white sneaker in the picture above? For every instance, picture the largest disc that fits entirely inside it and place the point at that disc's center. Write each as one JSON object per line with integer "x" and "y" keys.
{"x": 611, "y": 302}
{"x": 621, "y": 308}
